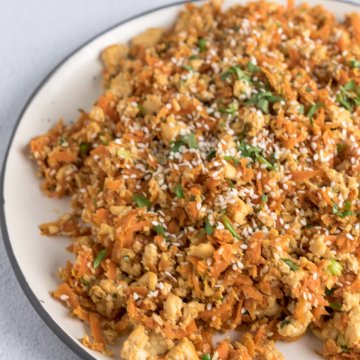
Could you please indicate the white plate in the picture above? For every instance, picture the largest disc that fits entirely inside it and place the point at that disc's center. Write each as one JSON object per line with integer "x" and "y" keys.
{"x": 75, "y": 83}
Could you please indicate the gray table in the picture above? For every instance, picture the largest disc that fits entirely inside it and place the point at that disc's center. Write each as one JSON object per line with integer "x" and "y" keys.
{"x": 35, "y": 36}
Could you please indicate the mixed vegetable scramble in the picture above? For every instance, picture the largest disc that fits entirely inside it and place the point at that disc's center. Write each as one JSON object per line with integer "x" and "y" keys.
{"x": 215, "y": 186}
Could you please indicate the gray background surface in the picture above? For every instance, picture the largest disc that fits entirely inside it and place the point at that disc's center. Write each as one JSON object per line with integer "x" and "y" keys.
{"x": 35, "y": 35}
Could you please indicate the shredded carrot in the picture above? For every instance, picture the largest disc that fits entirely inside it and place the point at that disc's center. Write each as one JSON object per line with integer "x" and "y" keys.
{"x": 214, "y": 186}
{"x": 65, "y": 293}
{"x": 95, "y": 327}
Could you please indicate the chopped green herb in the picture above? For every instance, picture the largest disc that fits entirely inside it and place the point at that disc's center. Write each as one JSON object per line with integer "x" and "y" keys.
{"x": 208, "y": 228}
{"x": 103, "y": 140}
{"x": 141, "y": 201}
{"x": 84, "y": 282}
{"x": 188, "y": 67}
{"x": 263, "y": 161}
{"x": 355, "y": 64}
{"x": 160, "y": 230}
{"x": 350, "y": 85}
{"x": 248, "y": 150}
{"x": 263, "y": 105}
{"x": 335, "y": 209}
{"x": 308, "y": 89}
{"x": 206, "y": 357}
{"x": 345, "y": 212}
{"x": 335, "y": 306}
{"x": 291, "y": 264}
{"x": 227, "y": 223}
{"x": 252, "y": 67}
{"x": 263, "y": 99}
{"x": 124, "y": 153}
{"x": 202, "y": 45}
{"x": 274, "y": 98}
{"x": 211, "y": 154}
{"x": 177, "y": 145}
{"x": 233, "y": 159}
{"x": 62, "y": 141}
{"x": 335, "y": 268}
{"x": 84, "y": 149}
{"x": 264, "y": 198}
{"x": 231, "y": 183}
{"x": 329, "y": 292}
{"x": 349, "y": 96}
{"x": 194, "y": 57}
{"x": 179, "y": 192}
{"x": 235, "y": 70}
{"x": 311, "y": 112}
{"x": 99, "y": 258}
{"x": 301, "y": 109}
{"x": 141, "y": 110}
{"x": 284, "y": 323}
{"x": 231, "y": 109}
{"x": 340, "y": 148}
{"x": 191, "y": 141}
{"x": 344, "y": 102}
{"x": 255, "y": 154}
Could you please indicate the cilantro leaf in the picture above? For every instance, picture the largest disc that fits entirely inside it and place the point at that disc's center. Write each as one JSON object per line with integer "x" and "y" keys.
{"x": 255, "y": 154}
{"x": 208, "y": 228}
{"x": 202, "y": 43}
{"x": 179, "y": 192}
{"x": 227, "y": 223}
{"x": 335, "y": 267}
{"x": 99, "y": 258}
{"x": 253, "y": 68}
{"x": 291, "y": 264}
{"x": 355, "y": 64}
{"x": 141, "y": 201}
{"x": 311, "y": 112}
{"x": 84, "y": 149}
{"x": 231, "y": 109}
{"x": 235, "y": 70}
{"x": 211, "y": 154}
{"x": 345, "y": 212}
{"x": 160, "y": 230}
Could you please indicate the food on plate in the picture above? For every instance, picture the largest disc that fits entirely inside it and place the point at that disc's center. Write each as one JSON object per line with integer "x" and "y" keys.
{"x": 215, "y": 186}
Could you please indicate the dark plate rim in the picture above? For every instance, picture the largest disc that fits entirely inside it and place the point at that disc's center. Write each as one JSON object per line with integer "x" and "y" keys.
{"x": 35, "y": 302}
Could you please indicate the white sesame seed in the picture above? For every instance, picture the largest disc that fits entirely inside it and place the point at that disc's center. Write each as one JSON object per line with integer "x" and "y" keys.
{"x": 64, "y": 297}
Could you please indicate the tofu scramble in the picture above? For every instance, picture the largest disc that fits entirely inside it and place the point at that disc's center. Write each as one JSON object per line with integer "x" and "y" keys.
{"x": 215, "y": 186}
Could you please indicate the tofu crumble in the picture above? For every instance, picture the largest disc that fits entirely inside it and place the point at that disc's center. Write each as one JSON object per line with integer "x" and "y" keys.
{"x": 215, "y": 186}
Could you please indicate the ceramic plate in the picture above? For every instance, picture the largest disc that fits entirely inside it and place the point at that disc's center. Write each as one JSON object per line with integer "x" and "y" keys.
{"x": 75, "y": 83}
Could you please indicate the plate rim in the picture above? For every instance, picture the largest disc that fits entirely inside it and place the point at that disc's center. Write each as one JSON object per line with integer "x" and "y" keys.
{"x": 25, "y": 287}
